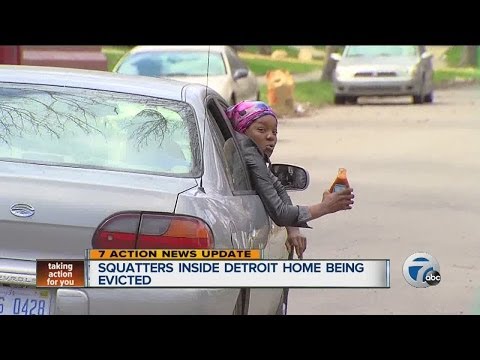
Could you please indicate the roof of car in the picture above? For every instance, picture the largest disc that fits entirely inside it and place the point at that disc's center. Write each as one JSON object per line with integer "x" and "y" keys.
{"x": 94, "y": 79}
{"x": 148, "y": 48}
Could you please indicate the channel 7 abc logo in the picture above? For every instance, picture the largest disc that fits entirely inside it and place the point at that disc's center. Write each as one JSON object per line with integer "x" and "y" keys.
{"x": 421, "y": 270}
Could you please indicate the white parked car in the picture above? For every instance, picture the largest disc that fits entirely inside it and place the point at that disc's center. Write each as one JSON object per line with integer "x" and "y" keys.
{"x": 386, "y": 70}
{"x": 227, "y": 73}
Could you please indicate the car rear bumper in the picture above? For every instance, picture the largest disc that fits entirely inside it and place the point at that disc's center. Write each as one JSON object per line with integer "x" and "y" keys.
{"x": 115, "y": 301}
{"x": 145, "y": 301}
{"x": 377, "y": 87}
{"x": 111, "y": 301}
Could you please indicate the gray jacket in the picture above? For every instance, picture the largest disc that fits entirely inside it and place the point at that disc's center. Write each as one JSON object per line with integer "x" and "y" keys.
{"x": 271, "y": 191}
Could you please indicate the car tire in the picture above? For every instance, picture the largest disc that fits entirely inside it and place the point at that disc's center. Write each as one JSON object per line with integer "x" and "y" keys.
{"x": 243, "y": 300}
{"x": 420, "y": 98}
{"x": 428, "y": 98}
{"x": 339, "y": 100}
{"x": 417, "y": 99}
{"x": 352, "y": 100}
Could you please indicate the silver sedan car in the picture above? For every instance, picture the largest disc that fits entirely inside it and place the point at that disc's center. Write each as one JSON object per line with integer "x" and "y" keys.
{"x": 383, "y": 71}
{"x": 100, "y": 160}
{"x": 227, "y": 73}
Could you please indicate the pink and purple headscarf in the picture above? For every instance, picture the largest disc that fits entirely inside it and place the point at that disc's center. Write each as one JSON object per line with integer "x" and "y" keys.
{"x": 243, "y": 114}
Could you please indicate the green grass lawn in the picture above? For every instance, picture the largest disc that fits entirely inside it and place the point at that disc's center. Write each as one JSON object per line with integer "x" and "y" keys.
{"x": 291, "y": 51}
{"x": 262, "y": 66}
{"x": 454, "y": 55}
{"x": 315, "y": 93}
{"x": 446, "y": 75}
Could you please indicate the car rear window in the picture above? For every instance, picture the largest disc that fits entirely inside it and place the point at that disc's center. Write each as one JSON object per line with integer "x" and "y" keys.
{"x": 88, "y": 128}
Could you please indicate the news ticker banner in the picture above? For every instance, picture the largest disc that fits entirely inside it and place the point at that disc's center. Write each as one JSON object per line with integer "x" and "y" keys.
{"x": 61, "y": 273}
{"x": 208, "y": 268}
{"x": 163, "y": 254}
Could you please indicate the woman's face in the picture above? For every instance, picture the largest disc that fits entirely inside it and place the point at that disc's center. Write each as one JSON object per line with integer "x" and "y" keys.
{"x": 264, "y": 132}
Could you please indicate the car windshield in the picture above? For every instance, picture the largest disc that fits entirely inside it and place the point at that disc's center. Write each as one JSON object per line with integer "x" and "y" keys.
{"x": 97, "y": 129}
{"x": 173, "y": 63}
{"x": 353, "y": 51}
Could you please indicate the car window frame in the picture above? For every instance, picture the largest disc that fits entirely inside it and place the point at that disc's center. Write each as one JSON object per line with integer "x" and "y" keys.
{"x": 219, "y": 119}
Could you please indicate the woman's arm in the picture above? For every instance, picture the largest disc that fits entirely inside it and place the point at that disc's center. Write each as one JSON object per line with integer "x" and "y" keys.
{"x": 296, "y": 241}
{"x": 284, "y": 214}
{"x": 264, "y": 182}
{"x": 281, "y": 189}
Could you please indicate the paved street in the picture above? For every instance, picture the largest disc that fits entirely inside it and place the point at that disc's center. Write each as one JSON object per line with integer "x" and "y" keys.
{"x": 415, "y": 171}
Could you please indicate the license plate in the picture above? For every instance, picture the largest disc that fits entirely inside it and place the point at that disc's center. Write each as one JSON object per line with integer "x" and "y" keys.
{"x": 24, "y": 301}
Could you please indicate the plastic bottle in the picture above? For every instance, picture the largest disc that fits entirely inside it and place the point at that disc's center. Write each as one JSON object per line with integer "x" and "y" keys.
{"x": 340, "y": 182}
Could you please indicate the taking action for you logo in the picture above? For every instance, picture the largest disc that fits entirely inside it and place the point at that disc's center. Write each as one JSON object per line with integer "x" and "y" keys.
{"x": 421, "y": 270}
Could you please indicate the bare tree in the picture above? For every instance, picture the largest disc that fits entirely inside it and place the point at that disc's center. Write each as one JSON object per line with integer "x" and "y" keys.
{"x": 53, "y": 114}
{"x": 46, "y": 117}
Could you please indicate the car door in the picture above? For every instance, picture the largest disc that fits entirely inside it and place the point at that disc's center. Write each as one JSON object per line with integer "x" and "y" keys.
{"x": 270, "y": 237}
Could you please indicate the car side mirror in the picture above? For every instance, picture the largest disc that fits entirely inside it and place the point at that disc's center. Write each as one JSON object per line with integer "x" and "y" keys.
{"x": 335, "y": 56}
{"x": 240, "y": 73}
{"x": 292, "y": 177}
{"x": 426, "y": 55}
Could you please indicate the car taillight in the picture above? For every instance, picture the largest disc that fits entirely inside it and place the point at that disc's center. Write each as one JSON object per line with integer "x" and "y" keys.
{"x": 152, "y": 231}
{"x": 117, "y": 232}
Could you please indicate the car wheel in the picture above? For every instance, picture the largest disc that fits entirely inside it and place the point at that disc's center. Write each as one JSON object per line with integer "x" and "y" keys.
{"x": 241, "y": 306}
{"x": 428, "y": 98}
{"x": 339, "y": 100}
{"x": 351, "y": 100}
{"x": 417, "y": 99}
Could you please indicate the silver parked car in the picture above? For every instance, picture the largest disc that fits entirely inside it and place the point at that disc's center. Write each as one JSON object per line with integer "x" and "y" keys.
{"x": 92, "y": 159}
{"x": 227, "y": 73}
{"x": 383, "y": 71}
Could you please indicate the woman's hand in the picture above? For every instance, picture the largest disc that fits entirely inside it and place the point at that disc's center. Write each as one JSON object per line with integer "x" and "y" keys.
{"x": 342, "y": 200}
{"x": 296, "y": 240}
